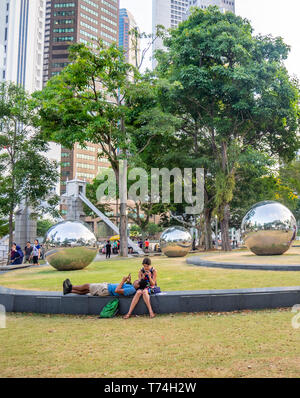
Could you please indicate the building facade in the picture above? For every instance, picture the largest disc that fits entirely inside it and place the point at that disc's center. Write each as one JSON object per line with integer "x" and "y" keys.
{"x": 21, "y": 42}
{"x": 69, "y": 22}
{"x": 169, "y": 13}
{"x": 131, "y": 44}
{"x": 224, "y": 5}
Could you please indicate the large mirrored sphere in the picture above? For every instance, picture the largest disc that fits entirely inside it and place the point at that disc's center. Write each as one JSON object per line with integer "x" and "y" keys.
{"x": 268, "y": 228}
{"x": 176, "y": 242}
{"x": 70, "y": 245}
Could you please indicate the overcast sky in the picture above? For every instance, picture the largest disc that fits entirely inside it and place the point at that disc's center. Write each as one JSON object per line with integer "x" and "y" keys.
{"x": 275, "y": 17}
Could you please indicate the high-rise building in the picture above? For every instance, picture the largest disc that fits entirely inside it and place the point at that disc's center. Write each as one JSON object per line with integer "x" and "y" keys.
{"x": 131, "y": 44}
{"x": 22, "y": 29}
{"x": 224, "y": 5}
{"x": 169, "y": 13}
{"x": 21, "y": 42}
{"x": 78, "y": 21}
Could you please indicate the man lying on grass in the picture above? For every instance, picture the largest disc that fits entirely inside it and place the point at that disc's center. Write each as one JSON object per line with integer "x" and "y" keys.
{"x": 124, "y": 288}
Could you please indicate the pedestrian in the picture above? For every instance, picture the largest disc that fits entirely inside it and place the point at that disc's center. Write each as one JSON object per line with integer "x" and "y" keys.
{"x": 36, "y": 252}
{"x": 28, "y": 252}
{"x": 108, "y": 249}
{"x": 147, "y": 246}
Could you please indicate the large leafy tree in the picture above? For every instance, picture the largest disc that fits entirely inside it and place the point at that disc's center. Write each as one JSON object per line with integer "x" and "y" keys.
{"x": 26, "y": 175}
{"x": 92, "y": 100}
{"x": 233, "y": 93}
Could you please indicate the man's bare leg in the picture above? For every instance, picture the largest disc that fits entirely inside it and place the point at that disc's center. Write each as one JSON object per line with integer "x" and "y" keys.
{"x": 133, "y": 304}
{"x": 146, "y": 298}
{"x": 81, "y": 289}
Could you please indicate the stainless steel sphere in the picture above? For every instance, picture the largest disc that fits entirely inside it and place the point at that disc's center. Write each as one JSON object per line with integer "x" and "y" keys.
{"x": 176, "y": 242}
{"x": 70, "y": 245}
{"x": 268, "y": 228}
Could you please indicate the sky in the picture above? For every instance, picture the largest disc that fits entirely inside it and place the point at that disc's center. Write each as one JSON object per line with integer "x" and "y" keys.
{"x": 275, "y": 17}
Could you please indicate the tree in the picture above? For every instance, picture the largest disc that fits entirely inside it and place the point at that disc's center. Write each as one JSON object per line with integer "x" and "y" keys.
{"x": 43, "y": 225}
{"x": 232, "y": 92}
{"x": 85, "y": 103}
{"x": 26, "y": 174}
{"x": 91, "y": 100}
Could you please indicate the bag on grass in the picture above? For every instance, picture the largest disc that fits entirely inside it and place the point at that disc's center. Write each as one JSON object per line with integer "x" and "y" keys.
{"x": 110, "y": 309}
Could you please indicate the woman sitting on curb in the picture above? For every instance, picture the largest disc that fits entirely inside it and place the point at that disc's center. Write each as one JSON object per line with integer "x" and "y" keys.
{"x": 148, "y": 275}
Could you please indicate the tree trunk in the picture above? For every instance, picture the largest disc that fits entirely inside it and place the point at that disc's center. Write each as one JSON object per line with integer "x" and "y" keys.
{"x": 123, "y": 210}
{"x": 123, "y": 231}
{"x": 207, "y": 230}
{"x": 11, "y": 231}
{"x": 226, "y": 246}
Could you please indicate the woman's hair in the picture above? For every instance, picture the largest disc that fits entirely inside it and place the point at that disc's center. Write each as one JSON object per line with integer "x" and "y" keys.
{"x": 143, "y": 284}
{"x": 147, "y": 261}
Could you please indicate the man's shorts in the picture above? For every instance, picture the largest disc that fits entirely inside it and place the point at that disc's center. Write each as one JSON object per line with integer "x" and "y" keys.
{"x": 99, "y": 289}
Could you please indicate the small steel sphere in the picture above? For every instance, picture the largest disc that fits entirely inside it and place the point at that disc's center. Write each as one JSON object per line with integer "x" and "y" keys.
{"x": 70, "y": 245}
{"x": 268, "y": 228}
{"x": 176, "y": 242}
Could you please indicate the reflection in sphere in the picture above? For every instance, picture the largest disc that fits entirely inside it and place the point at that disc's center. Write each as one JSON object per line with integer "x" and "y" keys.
{"x": 70, "y": 245}
{"x": 268, "y": 228}
{"x": 176, "y": 242}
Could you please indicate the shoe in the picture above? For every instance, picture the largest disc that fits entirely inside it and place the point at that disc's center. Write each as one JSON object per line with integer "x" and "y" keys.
{"x": 68, "y": 283}
{"x": 67, "y": 287}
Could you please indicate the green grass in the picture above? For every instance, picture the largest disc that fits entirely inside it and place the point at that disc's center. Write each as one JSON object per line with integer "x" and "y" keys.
{"x": 173, "y": 274}
{"x": 244, "y": 344}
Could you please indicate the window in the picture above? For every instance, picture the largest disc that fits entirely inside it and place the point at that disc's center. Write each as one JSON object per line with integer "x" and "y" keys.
{"x": 63, "y": 30}
{"x": 63, "y": 13}
{"x": 89, "y": 10}
{"x": 63, "y": 38}
{"x": 64, "y": 5}
{"x": 89, "y": 18}
{"x": 60, "y": 64}
{"x": 85, "y": 166}
{"x": 86, "y": 157}
{"x": 63, "y": 21}
{"x": 91, "y": 3}
{"x": 84, "y": 33}
{"x": 88, "y": 26}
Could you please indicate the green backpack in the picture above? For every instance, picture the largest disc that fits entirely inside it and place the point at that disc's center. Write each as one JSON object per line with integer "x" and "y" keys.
{"x": 110, "y": 309}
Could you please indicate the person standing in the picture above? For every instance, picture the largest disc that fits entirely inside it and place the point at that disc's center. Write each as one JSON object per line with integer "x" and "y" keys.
{"x": 28, "y": 252}
{"x": 147, "y": 246}
{"x": 36, "y": 252}
{"x": 108, "y": 249}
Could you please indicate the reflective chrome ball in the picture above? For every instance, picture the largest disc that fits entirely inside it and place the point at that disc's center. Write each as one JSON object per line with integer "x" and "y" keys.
{"x": 268, "y": 228}
{"x": 176, "y": 242}
{"x": 70, "y": 245}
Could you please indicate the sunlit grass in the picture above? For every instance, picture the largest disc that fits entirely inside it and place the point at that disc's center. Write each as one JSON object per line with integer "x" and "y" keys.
{"x": 245, "y": 344}
{"x": 173, "y": 274}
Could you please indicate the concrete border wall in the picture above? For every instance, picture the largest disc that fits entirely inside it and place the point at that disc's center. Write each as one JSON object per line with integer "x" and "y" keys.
{"x": 164, "y": 303}
{"x": 202, "y": 262}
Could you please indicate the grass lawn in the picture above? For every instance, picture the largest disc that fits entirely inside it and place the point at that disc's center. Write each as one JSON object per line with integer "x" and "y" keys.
{"x": 244, "y": 344}
{"x": 173, "y": 274}
{"x": 292, "y": 256}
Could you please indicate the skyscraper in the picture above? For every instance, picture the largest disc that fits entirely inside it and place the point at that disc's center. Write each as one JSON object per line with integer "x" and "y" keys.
{"x": 78, "y": 21}
{"x": 224, "y": 5}
{"x": 131, "y": 45}
{"x": 169, "y": 13}
{"x": 21, "y": 42}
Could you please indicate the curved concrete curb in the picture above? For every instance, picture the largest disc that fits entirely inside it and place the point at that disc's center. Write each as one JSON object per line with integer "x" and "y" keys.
{"x": 261, "y": 267}
{"x": 164, "y": 303}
